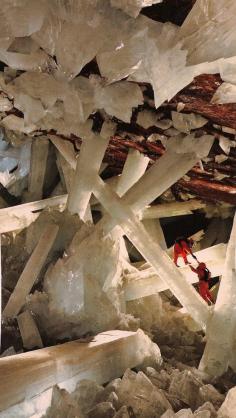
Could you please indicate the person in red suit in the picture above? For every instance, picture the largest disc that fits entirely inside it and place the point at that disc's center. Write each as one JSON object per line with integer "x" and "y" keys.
{"x": 204, "y": 276}
{"x": 183, "y": 247}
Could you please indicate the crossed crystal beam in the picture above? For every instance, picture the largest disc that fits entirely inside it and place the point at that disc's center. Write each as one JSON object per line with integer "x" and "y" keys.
{"x": 122, "y": 212}
{"x": 152, "y": 252}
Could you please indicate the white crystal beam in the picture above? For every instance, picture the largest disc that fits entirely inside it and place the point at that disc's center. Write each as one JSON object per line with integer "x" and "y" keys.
{"x": 220, "y": 331}
{"x": 166, "y": 210}
{"x": 88, "y": 165}
{"x": 39, "y": 154}
{"x": 152, "y": 252}
{"x": 65, "y": 148}
{"x": 165, "y": 172}
{"x": 29, "y": 331}
{"x": 30, "y": 272}
{"x": 26, "y": 389}
{"x": 66, "y": 171}
{"x": 134, "y": 168}
{"x": 21, "y": 216}
{"x": 154, "y": 228}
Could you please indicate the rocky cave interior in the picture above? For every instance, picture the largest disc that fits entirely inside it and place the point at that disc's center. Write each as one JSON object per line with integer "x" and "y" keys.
{"x": 117, "y": 135}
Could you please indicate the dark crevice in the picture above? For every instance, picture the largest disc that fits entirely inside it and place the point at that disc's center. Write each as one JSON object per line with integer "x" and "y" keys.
{"x": 174, "y": 11}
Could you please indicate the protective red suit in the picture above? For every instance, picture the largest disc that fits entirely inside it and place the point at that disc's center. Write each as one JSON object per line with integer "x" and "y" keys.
{"x": 182, "y": 249}
{"x": 203, "y": 286}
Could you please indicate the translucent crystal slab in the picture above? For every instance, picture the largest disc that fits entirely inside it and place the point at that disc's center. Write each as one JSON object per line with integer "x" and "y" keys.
{"x": 217, "y": 353}
{"x": 134, "y": 168}
{"x": 92, "y": 150}
{"x": 30, "y": 272}
{"x": 208, "y": 31}
{"x": 106, "y": 357}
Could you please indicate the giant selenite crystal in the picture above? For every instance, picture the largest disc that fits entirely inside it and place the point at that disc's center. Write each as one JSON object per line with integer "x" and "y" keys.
{"x": 75, "y": 285}
{"x": 208, "y": 31}
{"x": 218, "y": 351}
{"x": 106, "y": 357}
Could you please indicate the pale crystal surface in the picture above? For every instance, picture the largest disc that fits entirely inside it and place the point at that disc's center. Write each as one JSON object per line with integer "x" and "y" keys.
{"x": 218, "y": 351}
{"x": 82, "y": 278}
{"x": 146, "y": 190}
{"x": 39, "y": 153}
{"x": 186, "y": 122}
{"x": 92, "y": 149}
{"x": 137, "y": 391}
{"x": 226, "y": 93}
{"x": 208, "y": 31}
{"x": 66, "y": 150}
{"x": 228, "y": 407}
{"x": 133, "y": 7}
{"x": 134, "y": 168}
{"x": 30, "y": 272}
{"x": 29, "y": 331}
{"x": 154, "y": 228}
{"x": 106, "y": 357}
{"x": 21, "y": 216}
{"x": 172, "y": 209}
{"x": 146, "y": 118}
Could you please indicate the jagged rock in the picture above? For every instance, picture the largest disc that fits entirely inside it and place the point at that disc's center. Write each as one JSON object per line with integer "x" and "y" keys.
{"x": 228, "y": 408}
{"x": 86, "y": 394}
{"x": 137, "y": 391}
{"x": 109, "y": 394}
{"x": 62, "y": 405}
{"x": 160, "y": 379}
{"x": 176, "y": 403}
{"x": 113, "y": 386}
{"x": 122, "y": 413}
{"x": 113, "y": 399}
{"x": 148, "y": 310}
{"x": 202, "y": 414}
{"x": 209, "y": 393}
{"x": 168, "y": 414}
{"x": 184, "y": 413}
{"x": 207, "y": 406}
{"x": 185, "y": 386}
{"x": 102, "y": 410}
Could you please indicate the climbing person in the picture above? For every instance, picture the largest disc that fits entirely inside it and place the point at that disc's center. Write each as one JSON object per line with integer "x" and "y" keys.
{"x": 204, "y": 276}
{"x": 183, "y": 247}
